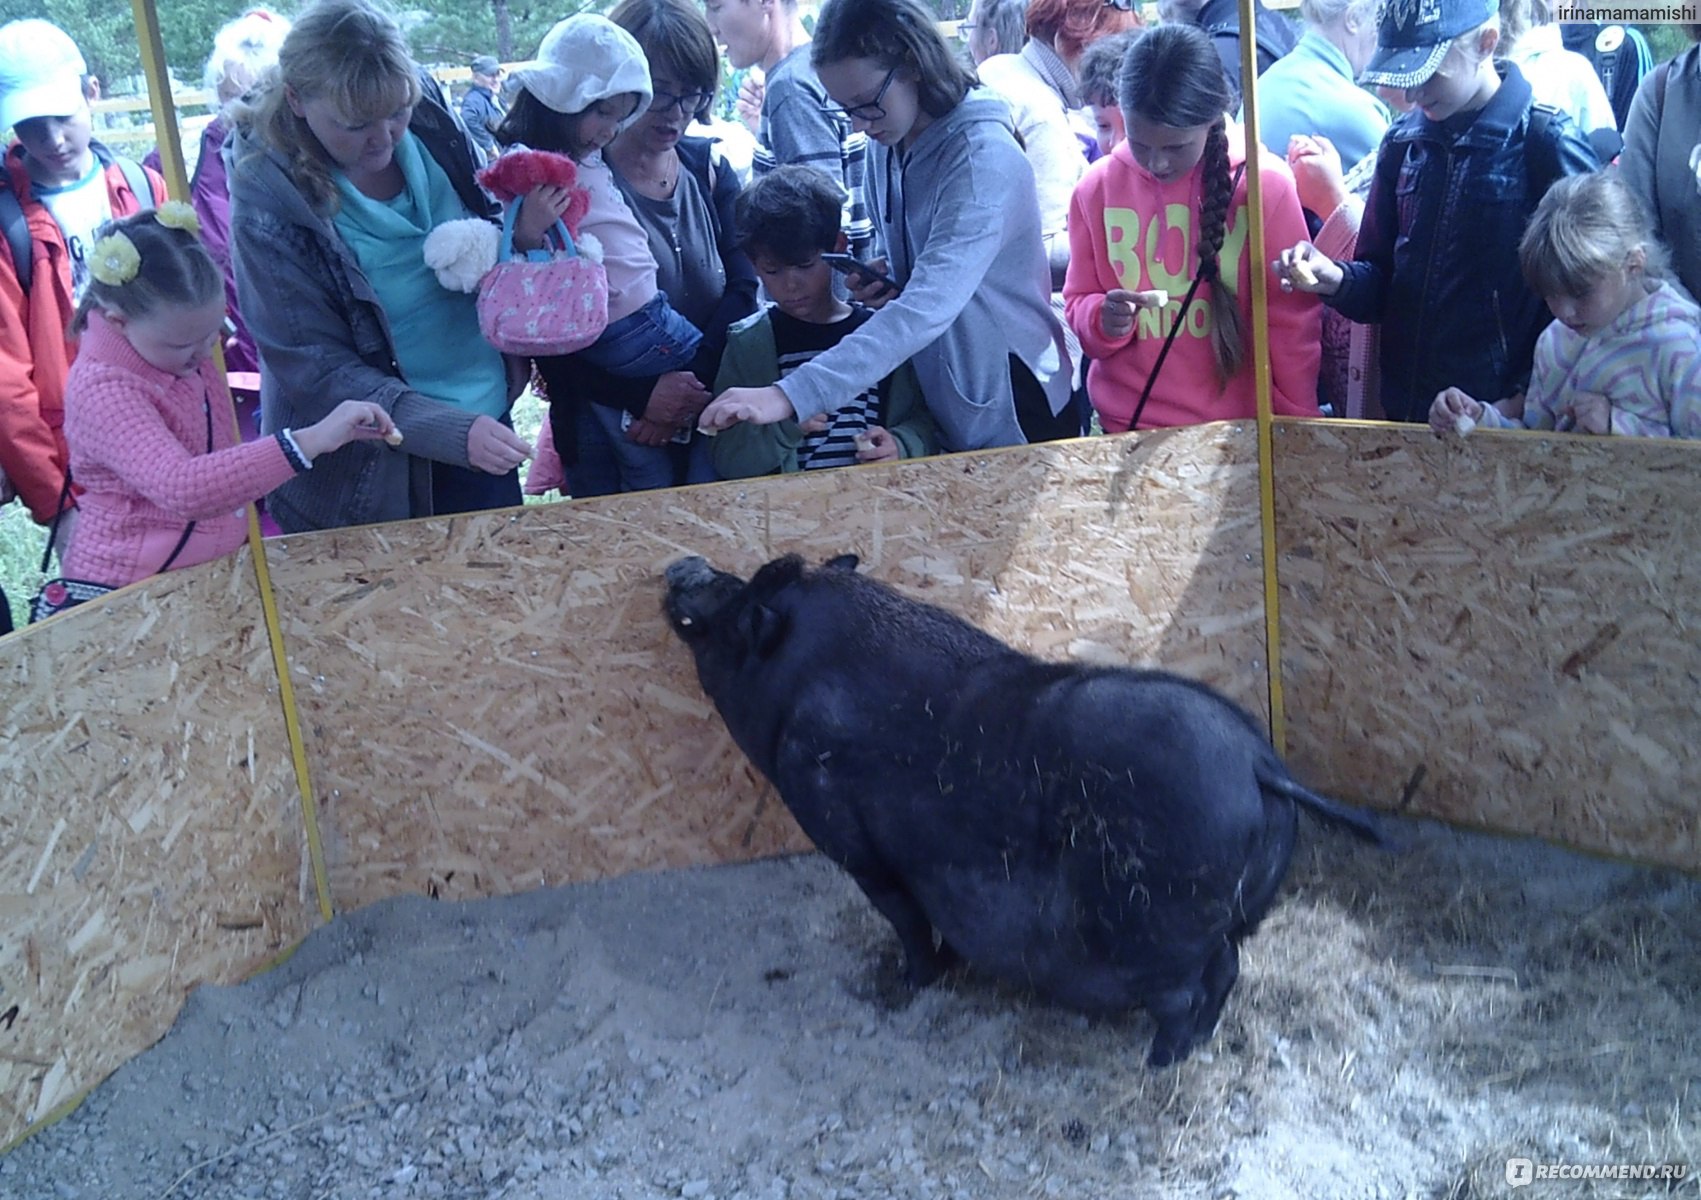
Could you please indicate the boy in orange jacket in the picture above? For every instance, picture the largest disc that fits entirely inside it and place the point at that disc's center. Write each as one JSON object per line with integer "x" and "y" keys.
{"x": 65, "y": 184}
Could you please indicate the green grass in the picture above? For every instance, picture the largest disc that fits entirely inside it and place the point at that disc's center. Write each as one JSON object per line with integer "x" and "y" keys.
{"x": 22, "y": 540}
{"x": 21, "y": 544}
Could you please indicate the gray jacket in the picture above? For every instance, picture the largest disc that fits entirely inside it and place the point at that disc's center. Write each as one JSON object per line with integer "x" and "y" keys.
{"x": 961, "y": 224}
{"x": 1659, "y": 139}
{"x": 323, "y": 337}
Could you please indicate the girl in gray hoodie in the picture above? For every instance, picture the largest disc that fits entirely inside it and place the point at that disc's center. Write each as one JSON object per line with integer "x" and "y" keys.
{"x": 953, "y": 192}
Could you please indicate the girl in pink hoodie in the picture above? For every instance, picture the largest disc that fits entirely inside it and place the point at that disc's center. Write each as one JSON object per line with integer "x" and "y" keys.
{"x": 1165, "y": 214}
{"x": 148, "y": 421}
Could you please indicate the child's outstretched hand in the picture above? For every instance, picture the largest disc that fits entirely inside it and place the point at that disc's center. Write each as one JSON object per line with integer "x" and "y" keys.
{"x": 1305, "y": 268}
{"x": 876, "y": 444}
{"x": 759, "y": 406}
{"x": 350, "y": 421}
{"x": 1454, "y": 412}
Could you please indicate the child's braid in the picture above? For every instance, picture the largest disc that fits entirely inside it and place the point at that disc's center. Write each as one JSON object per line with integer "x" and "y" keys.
{"x": 1228, "y": 336}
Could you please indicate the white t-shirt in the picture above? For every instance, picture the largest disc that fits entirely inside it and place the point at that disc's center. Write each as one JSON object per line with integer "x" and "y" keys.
{"x": 80, "y": 208}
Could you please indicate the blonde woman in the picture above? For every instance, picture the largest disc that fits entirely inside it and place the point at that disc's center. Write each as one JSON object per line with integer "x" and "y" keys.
{"x": 341, "y": 163}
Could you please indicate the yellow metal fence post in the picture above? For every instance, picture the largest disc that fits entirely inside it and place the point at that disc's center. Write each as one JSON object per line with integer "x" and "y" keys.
{"x": 177, "y": 182}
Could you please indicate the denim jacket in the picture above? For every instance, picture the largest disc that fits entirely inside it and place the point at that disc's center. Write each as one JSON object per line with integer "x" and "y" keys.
{"x": 1437, "y": 258}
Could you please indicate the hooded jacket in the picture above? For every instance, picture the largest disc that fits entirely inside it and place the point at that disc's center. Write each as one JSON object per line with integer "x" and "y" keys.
{"x": 324, "y": 338}
{"x": 1437, "y": 258}
{"x": 1128, "y": 230}
{"x": 35, "y": 350}
{"x": 962, "y": 229}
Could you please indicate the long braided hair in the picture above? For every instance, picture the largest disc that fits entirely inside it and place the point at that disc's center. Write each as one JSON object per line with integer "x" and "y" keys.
{"x": 1172, "y": 76}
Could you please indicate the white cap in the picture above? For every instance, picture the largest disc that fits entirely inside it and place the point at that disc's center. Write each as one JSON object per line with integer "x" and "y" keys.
{"x": 41, "y": 72}
{"x": 586, "y": 58}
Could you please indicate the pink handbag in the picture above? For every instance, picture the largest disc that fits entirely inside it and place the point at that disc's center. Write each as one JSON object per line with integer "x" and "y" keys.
{"x": 542, "y": 302}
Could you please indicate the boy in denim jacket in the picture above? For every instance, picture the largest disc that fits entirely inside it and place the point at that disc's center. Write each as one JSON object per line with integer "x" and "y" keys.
{"x": 1457, "y": 179}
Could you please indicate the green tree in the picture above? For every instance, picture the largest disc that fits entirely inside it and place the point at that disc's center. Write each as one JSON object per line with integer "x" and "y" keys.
{"x": 102, "y": 30}
{"x": 456, "y": 30}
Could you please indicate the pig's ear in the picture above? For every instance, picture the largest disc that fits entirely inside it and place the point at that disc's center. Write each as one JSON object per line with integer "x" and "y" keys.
{"x": 841, "y": 562}
{"x": 761, "y": 628}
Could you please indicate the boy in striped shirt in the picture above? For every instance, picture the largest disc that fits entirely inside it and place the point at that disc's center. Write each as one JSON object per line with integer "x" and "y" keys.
{"x": 787, "y": 219}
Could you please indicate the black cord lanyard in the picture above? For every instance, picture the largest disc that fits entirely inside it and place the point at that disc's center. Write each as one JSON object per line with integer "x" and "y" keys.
{"x": 1180, "y": 318}
{"x": 65, "y": 494}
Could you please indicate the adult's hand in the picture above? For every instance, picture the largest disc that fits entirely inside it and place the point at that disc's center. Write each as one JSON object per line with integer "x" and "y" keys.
{"x": 645, "y": 432}
{"x": 675, "y": 401}
{"x": 494, "y": 448}
{"x": 540, "y": 208}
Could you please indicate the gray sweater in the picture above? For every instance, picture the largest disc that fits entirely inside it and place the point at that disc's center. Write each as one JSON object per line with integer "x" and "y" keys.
{"x": 1655, "y": 163}
{"x": 323, "y": 338}
{"x": 961, "y": 224}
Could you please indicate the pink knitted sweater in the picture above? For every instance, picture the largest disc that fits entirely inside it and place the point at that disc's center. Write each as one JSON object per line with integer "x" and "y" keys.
{"x": 138, "y": 442}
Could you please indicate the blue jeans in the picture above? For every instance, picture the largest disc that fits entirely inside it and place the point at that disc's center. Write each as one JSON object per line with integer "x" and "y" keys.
{"x": 609, "y": 463}
{"x": 652, "y": 341}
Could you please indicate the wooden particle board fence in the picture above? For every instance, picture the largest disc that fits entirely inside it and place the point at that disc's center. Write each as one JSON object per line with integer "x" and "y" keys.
{"x": 493, "y": 702}
{"x": 1501, "y": 631}
{"x": 1497, "y": 631}
{"x": 150, "y": 829}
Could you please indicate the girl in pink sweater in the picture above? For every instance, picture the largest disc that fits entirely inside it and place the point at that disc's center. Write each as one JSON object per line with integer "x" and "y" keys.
{"x": 149, "y": 424}
{"x": 1165, "y": 214}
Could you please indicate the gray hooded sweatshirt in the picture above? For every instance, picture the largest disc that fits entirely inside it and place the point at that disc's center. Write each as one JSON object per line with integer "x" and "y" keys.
{"x": 324, "y": 338}
{"x": 961, "y": 224}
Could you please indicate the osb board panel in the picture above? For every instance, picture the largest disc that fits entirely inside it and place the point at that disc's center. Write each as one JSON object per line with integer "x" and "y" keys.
{"x": 494, "y": 703}
{"x": 1515, "y": 616}
{"x": 150, "y": 830}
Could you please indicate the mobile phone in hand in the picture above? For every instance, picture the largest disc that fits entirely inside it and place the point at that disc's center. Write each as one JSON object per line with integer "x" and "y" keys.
{"x": 846, "y": 264}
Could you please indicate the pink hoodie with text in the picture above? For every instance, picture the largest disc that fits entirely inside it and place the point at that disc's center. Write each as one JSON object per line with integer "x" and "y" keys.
{"x": 1128, "y": 230}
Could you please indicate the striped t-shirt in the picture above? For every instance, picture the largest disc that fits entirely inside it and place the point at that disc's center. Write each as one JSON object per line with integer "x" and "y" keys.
{"x": 795, "y": 343}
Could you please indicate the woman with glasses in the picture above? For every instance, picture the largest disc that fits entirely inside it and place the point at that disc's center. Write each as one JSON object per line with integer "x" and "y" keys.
{"x": 623, "y": 434}
{"x": 954, "y": 196}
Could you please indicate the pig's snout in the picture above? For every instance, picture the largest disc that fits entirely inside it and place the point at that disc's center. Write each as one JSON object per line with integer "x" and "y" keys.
{"x": 689, "y": 573}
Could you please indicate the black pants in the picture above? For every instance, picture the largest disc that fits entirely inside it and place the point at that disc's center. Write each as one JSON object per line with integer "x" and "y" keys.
{"x": 5, "y": 614}
{"x": 1033, "y": 409}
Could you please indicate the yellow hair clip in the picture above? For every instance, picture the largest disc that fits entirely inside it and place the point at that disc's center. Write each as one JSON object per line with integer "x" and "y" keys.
{"x": 114, "y": 260}
{"x": 175, "y": 214}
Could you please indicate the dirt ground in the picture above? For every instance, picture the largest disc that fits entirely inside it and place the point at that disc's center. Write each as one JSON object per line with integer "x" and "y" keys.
{"x": 1404, "y": 1024}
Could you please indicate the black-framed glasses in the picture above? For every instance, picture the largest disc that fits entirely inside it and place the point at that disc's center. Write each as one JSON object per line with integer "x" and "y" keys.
{"x": 1124, "y": 5}
{"x": 869, "y": 111}
{"x": 690, "y": 104}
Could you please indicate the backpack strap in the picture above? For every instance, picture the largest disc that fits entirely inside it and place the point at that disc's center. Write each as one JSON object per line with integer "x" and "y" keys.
{"x": 17, "y": 231}
{"x": 136, "y": 176}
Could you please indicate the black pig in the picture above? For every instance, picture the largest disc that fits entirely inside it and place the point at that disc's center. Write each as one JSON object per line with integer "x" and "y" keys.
{"x": 1105, "y": 836}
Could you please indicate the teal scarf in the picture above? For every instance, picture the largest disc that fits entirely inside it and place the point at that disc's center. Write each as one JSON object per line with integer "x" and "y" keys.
{"x": 437, "y": 341}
